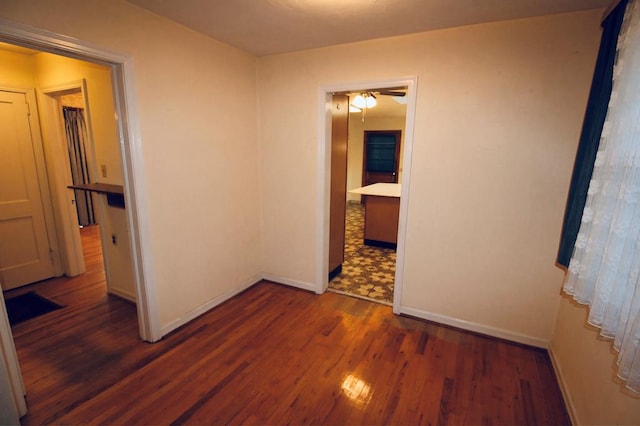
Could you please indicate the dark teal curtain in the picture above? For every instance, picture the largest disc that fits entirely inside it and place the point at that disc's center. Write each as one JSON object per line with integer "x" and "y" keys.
{"x": 591, "y": 131}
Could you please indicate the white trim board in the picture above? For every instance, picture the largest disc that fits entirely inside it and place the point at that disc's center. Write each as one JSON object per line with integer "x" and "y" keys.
{"x": 123, "y": 295}
{"x": 207, "y": 306}
{"x": 289, "y": 282}
{"x": 477, "y": 327}
{"x": 564, "y": 389}
{"x": 9, "y": 361}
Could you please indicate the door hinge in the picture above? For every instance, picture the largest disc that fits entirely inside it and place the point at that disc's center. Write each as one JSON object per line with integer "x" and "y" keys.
{"x": 28, "y": 108}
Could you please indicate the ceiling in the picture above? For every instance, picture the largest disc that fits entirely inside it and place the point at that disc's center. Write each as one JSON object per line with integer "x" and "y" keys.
{"x": 265, "y": 27}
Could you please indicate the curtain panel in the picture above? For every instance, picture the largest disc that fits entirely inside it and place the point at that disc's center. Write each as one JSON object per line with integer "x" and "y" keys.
{"x": 76, "y": 131}
{"x": 604, "y": 271}
{"x": 591, "y": 130}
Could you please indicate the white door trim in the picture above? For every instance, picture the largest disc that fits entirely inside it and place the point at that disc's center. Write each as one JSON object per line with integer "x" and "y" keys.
{"x": 324, "y": 177}
{"x": 131, "y": 147}
{"x": 56, "y": 154}
{"x": 9, "y": 358}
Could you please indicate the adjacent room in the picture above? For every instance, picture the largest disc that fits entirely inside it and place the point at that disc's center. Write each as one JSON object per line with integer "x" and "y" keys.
{"x": 218, "y": 302}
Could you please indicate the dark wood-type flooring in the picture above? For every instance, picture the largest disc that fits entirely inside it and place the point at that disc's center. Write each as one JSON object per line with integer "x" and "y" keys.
{"x": 272, "y": 355}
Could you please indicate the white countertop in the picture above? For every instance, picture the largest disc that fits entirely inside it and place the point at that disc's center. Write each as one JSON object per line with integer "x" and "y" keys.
{"x": 379, "y": 189}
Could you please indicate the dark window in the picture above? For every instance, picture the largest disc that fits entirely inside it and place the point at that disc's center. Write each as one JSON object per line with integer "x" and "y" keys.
{"x": 381, "y": 153}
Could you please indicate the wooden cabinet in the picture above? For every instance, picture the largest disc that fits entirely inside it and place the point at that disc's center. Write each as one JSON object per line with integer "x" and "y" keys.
{"x": 381, "y": 213}
{"x": 381, "y": 221}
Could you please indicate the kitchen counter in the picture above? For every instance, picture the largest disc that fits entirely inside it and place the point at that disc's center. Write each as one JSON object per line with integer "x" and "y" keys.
{"x": 381, "y": 211}
{"x": 380, "y": 190}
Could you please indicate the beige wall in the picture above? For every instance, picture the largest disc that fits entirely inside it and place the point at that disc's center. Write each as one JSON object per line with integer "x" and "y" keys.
{"x": 355, "y": 152}
{"x": 586, "y": 363}
{"x": 17, "y": 70}
{"x": 54, "y": 70}
{"x": 499, "y": 111}
{"x": 198, "y": 123}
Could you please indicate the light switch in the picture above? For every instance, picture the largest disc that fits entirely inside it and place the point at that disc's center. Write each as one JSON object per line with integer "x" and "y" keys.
{"x": 103, "y": 170}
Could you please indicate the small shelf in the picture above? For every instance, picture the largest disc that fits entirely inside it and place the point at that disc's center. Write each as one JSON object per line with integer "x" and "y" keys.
{"x": 114, "y": 193}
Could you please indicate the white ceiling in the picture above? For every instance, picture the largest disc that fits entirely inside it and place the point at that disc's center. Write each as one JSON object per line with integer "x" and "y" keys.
{"x": 265, "y": 27}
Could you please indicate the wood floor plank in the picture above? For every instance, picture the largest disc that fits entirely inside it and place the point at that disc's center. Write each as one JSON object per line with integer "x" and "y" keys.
{"x": 272, "y": 355}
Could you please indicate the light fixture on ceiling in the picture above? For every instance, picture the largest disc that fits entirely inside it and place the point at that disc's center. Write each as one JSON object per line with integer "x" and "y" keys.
{"x": 364, "y": 101}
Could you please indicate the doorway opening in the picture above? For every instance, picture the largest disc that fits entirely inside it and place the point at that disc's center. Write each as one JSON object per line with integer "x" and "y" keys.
{"x": 129, "y": 159}
{"x": 377, "y": 152}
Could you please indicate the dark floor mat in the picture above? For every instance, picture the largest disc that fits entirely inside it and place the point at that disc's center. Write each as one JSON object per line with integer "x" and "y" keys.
{"x": 27, "y": 306}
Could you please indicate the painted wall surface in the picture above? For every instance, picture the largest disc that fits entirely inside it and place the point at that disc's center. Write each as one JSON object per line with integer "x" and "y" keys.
{"x": 53, "y": 71}
{"x": 587, "y": 371}
{"x": 17, "y": 70}
{"x": 355, "y": 150}
{"x": 198, "y": 123}
{"x": 499, "y": 108}
{"x": 499, "y": 112}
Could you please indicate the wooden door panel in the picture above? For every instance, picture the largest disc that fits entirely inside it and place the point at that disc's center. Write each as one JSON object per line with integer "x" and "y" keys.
{"x": 24, "y": 245}
{"x": 338, "y": 198}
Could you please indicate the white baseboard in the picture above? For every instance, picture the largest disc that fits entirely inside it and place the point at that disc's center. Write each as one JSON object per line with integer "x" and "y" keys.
{"x": 168, "y": 328}
{"x": 476, "y": 327}
{"x": 290, "y": 282}
{"x": 568, "y": 401}
{"x": 123, "y": 294}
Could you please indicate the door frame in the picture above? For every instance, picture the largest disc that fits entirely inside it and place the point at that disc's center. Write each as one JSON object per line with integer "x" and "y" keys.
{"x": 58, "y": 167}
{"x": 122, "y": 70}
{"x": 9, "y": 361}
{"x": 323, "y": 178}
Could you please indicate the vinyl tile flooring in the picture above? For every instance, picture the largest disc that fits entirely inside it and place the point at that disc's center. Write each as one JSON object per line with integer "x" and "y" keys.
{"x": 367, "y": 272}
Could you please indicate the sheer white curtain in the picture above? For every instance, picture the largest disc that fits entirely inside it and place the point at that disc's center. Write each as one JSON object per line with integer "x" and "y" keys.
{"x": 605, "y": 267}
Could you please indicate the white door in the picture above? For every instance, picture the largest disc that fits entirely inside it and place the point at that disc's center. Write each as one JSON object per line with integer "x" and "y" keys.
{"x": 24, "y": 245}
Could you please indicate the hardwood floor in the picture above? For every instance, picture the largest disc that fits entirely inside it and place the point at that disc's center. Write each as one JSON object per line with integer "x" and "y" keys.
{"x": 272, "y": 355}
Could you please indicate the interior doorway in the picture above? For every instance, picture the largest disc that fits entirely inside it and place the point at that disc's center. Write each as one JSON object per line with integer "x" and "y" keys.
{"x": 121, "y": 86}
{"x": 64, "y": 147}
{"x": 128, "y": 159}
{"x": 374, "y": 133}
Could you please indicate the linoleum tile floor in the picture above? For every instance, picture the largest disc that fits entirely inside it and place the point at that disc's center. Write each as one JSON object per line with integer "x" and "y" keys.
{"x": 367, "y": 272}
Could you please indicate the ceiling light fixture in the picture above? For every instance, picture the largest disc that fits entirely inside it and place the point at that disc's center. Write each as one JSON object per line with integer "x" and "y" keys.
{"x": 364, "y": 101}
